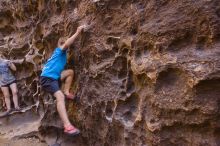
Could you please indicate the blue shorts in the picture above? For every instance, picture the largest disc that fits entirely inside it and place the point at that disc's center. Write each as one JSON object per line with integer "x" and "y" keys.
{"x": 49, "y": 84}
{"x": 8, "y": 85}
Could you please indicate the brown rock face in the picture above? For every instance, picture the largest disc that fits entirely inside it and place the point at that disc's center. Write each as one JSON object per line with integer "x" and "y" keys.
{"x": 147, "y": 72}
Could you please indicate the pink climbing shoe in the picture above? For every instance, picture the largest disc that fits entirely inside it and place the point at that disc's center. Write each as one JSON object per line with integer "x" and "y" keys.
{"x": 71, "y": 130}
{"x": 70, "y": 96}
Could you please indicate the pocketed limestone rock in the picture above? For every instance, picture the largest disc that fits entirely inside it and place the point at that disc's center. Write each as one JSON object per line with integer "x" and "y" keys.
{"x": 140, "y": 60}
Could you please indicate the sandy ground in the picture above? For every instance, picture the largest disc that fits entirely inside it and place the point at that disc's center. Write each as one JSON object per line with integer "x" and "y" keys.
{"x": 22, "y": 142}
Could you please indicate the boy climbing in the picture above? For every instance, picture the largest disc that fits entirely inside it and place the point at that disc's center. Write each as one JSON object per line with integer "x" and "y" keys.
{"x": 53, "y": 73}
{"x": 8, "y": 81}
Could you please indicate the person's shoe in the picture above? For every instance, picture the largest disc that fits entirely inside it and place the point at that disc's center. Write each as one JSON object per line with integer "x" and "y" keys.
{"x": 9, "y": 111}
{"x": 6, "y": 113}
{"x": 71, "y": 130}
{"x": 72, "y": 96}
{"x": 17, "y": 109}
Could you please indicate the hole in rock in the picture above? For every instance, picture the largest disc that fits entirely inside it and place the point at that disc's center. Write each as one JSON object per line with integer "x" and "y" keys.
{"x": 122, "y": 94}
{"x": 134, "y": 31}
{"x": 140, "y": 6}
{"x": 138, "y": 53}
{"x": 130, "y": 84}
{"x": 107, "y": 54}
{"x": 122, "y": 86}
{"x": 122, "y": 74}
{"x": 218, "y": 12}
{"x": 142, "y": 79}
{"x": 111, "y": 40}
{"x": 147, "y": 49}
{"x": 217, "y": 37}
{"x": 58, "y": 7}
{"x": 124, "y": 51}
{"x": 120, "y": 65}
{"x": 180, "y": 42}
{"x": 127, "y": 109}
{"x": 170, "y": 80}
{"x": 128, "y": 115}
{"x": 141, "y": 53}
{"x": 201, "y": 40}
{"x": 19, "y": 53}
{"x": 217, "y": 136}
{"x": 109, "y": 109}
{"x": 115, "y": 49}
{"x": 208, "y": 89}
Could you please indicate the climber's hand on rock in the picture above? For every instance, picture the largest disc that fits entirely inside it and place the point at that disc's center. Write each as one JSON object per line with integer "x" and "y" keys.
{"x": 11, "y": 65}
{"x": 80, "y": 28}
{"x": 70, "y": 40}
{"x": 9, "y": 62}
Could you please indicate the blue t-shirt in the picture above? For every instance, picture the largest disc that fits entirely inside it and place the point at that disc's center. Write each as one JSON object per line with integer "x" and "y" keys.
{"x": 55, "y": 64}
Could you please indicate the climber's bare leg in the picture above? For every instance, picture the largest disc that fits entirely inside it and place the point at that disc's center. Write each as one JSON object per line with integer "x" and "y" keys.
{"x": 3, "y": 103}
{"x": 14, "y": 91}
{"x": 61, "y": 108}
{"x": 67, "y": 78}
{"x": 5, "y": 91}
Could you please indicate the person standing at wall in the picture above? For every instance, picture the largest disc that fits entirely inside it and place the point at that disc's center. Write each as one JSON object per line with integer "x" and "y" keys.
{"x": 8, "y": 81}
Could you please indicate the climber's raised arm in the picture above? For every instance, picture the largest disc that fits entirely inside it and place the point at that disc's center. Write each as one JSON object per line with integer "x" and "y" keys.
{"x": 70, "y": 40}
{"x": 12, "y": 66}
{"x": 54, "y": 72}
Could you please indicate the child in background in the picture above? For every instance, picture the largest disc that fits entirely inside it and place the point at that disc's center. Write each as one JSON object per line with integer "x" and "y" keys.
{"x": 8, "y": 81}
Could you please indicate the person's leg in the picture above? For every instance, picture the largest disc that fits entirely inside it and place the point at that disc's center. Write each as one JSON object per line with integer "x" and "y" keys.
{"x": 61, "y": 108}
{"x": 52, "y": 86}
{"x": 67, "y": 77}
{"x": 5, "y": 91}
{"x": 14, "y": 91}
{"x": 3, "y": 103}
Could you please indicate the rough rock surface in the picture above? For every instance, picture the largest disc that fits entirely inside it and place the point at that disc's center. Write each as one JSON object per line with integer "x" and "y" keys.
{"x": 147, "y": 72}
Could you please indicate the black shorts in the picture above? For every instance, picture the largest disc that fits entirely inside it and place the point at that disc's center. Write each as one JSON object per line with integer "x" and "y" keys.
{"x": 49, "y": 84}
{"x": 8, "y": 85}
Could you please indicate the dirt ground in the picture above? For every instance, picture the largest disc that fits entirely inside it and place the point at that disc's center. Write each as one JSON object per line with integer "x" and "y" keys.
{"x": 22, "y": 142}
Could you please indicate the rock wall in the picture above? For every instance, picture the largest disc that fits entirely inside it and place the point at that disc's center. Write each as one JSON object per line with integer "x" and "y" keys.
{"x": 147, "y": 72}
